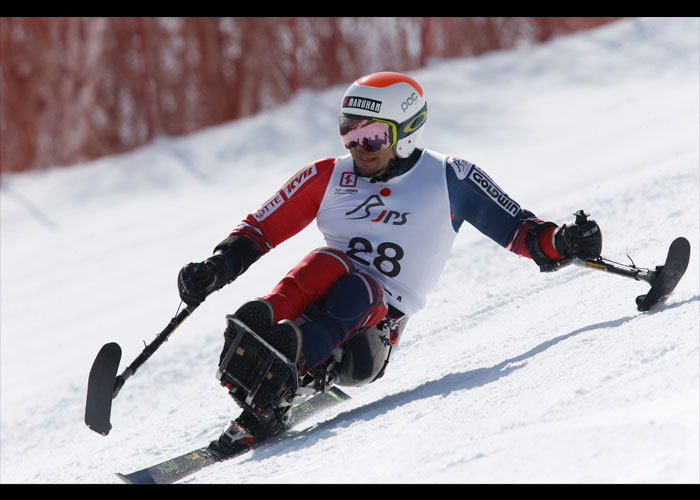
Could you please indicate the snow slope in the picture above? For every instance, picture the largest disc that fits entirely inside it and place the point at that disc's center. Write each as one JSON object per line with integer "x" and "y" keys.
{"x": 508, "y": 375}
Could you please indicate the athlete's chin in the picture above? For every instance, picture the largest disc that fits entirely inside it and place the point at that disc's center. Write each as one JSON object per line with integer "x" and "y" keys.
{"x": 368, "y": 167}
{"x": 367, "y": 172}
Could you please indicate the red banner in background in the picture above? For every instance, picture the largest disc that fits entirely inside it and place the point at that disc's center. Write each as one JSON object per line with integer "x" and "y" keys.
{"x": 75, "y": 89}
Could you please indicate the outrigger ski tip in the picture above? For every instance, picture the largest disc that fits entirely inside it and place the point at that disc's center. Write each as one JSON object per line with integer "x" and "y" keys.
{"x": 100, "y": 391}
{"x": 104, "y": 384}
{"x": 666, "y": 277}
{"x": 663, "y": 279}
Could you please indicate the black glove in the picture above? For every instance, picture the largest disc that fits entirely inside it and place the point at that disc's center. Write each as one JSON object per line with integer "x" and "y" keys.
{"x": 198, "y": 279}
{"x": 579, "y": 240}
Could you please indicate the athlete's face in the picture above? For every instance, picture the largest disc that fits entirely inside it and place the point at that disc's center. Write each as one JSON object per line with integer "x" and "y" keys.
{"x": 371, "y": 164}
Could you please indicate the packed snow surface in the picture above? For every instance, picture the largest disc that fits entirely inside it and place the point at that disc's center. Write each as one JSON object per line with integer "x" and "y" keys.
{"x": 508, "y": 375}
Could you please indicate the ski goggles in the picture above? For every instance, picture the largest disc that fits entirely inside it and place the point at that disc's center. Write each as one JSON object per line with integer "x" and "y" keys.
{"x": 372, "y": 134}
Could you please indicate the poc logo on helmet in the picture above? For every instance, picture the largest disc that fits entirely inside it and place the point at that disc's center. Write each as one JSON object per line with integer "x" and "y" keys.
{"x": 412, "y": 99}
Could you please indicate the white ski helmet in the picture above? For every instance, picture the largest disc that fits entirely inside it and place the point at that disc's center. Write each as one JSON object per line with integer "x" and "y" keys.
{"x": 385, "y": 97}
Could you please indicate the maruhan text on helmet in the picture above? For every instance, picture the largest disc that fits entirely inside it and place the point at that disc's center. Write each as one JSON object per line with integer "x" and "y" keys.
{"x": 362, "y": 103}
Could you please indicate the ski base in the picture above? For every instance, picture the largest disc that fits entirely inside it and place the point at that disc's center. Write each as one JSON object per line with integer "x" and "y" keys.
{"x": 180, "y": 467}
{"x": 667, "y": 276}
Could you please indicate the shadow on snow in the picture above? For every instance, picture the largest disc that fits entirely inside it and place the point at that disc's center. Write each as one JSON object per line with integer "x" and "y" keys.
{"x": 461, "y": 381}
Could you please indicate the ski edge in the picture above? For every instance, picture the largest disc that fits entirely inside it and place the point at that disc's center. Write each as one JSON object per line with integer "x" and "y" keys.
{"x": 124, "y": 478}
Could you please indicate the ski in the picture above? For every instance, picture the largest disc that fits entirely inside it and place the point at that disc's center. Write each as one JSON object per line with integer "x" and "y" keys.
{"x": 180, "y": 467}
{"x": 100, "y": 388}
{"x": 667, "y": 276}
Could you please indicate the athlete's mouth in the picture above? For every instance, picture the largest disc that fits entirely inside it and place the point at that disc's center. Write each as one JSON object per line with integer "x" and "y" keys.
{"x": 365, "y": 158}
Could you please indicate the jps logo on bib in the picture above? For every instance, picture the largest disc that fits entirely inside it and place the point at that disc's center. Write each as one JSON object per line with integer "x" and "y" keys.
{"x": 374, "y": 209}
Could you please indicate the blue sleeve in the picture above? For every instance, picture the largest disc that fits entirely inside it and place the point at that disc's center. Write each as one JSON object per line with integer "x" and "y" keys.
{"x": 478, "y": 200}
